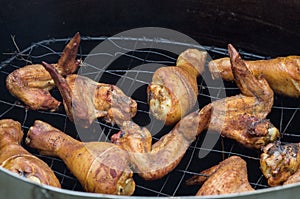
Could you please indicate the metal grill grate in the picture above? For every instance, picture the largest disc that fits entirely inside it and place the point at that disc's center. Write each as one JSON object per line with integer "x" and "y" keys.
{"x": 284, "y": 114}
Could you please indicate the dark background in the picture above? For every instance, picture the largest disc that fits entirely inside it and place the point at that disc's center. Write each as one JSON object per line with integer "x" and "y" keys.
{"x": 269, "y": 27}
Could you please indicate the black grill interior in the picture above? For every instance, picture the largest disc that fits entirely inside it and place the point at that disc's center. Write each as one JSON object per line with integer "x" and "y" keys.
{"x": 122, "y": 71}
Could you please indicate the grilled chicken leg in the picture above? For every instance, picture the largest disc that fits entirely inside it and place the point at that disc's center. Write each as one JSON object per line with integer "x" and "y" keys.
{"x": 279, "y": 163}
{"x": 85, "y": 100}
{"x": 100, "y": 167}
{"x": 239, "y": 117}
{"x": 16, "y": 159}
{"x": 282, "y": 73}
{"x": 173, "y": 91}
{"x": 229, "y": 176}
{"x": 31, "y": 83}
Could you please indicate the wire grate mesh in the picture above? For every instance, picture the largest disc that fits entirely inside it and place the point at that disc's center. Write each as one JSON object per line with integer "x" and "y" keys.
{"x": 284, "y": 114}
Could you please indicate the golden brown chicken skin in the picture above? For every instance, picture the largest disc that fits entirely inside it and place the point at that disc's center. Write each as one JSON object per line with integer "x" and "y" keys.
{"x": 280, "y": 162}
{"x": 293, "y": 178}
{"x": 85, "y": 100}
{"x": 243, "y": 117}
{"x": 152, "y": 162}
{"x": 282, "y": 73}
{"x": 100, "y": 167}
{"x": 173, "y": 91}
{"x": 229, "y": 176}
{"x": 31, "y": 83}
{"x": 239, "y": 117}
{"x": 15, "y": 158}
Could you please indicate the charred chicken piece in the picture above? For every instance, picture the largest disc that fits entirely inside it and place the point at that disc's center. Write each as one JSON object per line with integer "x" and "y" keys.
{"x": 279, "y": 163}
{"x": 239, "y": 117}
{"x": 282, "y": 73}
{"x": 100, "y": 167}
{"x": 152, "y": 162}
{"x": 15, "y": 158}
{"x": 173, "y": 91}
{"x": 85, "y": 100}
{"x": 31, "y": 83}
{"x": 229, "y": 176}
{"x": 243, "y": 117}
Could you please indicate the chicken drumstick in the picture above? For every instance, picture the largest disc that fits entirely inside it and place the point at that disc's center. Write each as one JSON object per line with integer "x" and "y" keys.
{"x": 100, "y": 167}
{"x": 173, "y": 91}
{"x": 18, "y": 160}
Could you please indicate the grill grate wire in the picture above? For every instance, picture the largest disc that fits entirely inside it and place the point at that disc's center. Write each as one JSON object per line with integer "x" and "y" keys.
{"x": 284, "y": 115}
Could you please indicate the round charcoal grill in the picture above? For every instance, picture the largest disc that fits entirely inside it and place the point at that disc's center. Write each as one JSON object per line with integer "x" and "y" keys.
{"x": 124, "y": 72}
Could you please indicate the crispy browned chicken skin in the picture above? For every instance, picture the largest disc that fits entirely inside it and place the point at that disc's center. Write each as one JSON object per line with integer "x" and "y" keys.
{"x": 85, "y": 100}
{"x": 293, "y": 178}
{"x": 100, "y": 167}
{"x": 152, "y": 162}
{"x": 280, "y": 163}
{"x": 31, "y": 83}
{"x": 229, "y": 176}
{"x": 16, "y": 159}
{"x": 282, "y": 73}
{"x": 239, "y": 117}
{"x": 173, "y": 91}
{"x": 242, "y": 117}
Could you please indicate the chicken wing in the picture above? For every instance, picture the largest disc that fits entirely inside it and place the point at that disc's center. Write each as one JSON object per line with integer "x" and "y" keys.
{"x": 85, "y": 100}
{"x": 243, "y": 117}
{"x": 280, "y": 162}
{"x": 100, "y": 167}
{"x": 31, "y": 83}
{"x": 152, "y": 162}
{"x": 229, "y": 176}
{"x": 239, "y": 117}
{"x": 282, "y": 73}
{"x": 15, "y": 158}
{"x": 173, "y": 91}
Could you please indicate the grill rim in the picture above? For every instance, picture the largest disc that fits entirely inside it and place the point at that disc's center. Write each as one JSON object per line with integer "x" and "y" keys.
{"x": 99, "y": 195}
